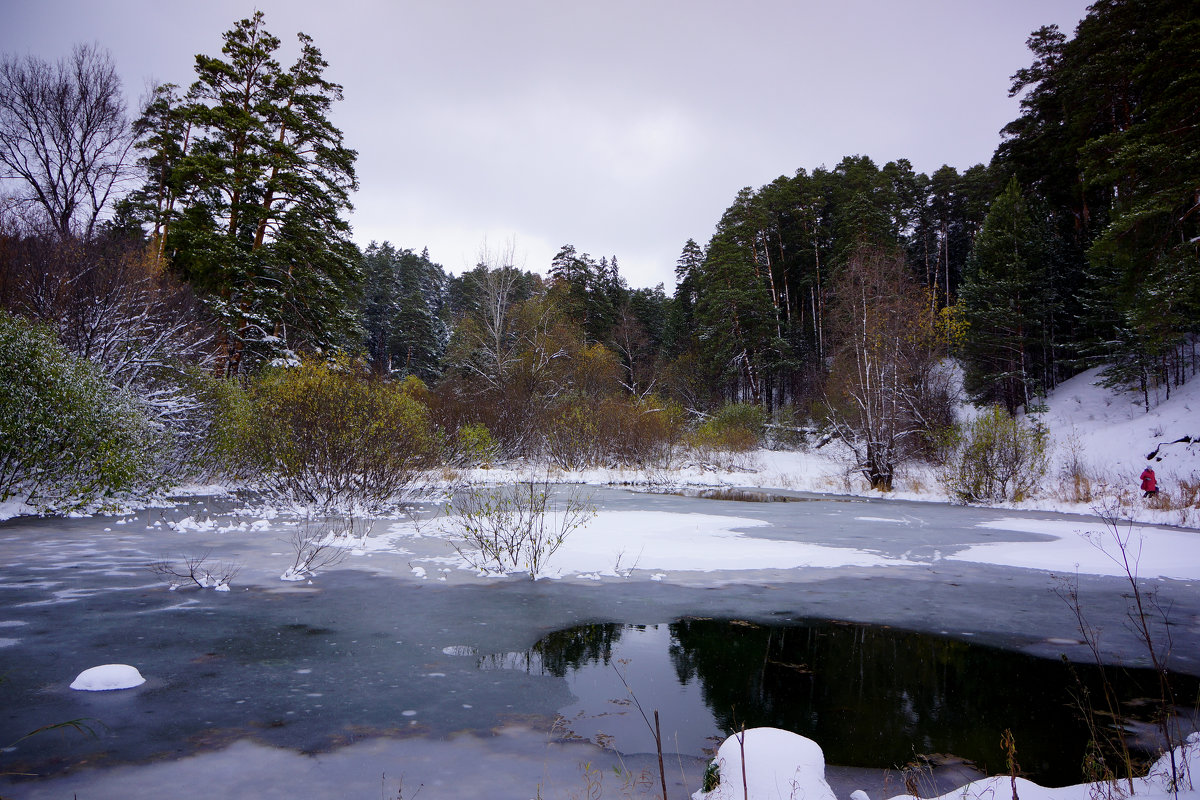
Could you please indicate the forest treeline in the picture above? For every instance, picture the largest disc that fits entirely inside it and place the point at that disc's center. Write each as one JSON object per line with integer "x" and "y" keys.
{"x": 186, "y": 254}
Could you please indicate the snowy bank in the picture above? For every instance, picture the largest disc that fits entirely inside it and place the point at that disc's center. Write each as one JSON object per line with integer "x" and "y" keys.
{"x": 780, "y": 766}
{"x": 1100, "y": 433}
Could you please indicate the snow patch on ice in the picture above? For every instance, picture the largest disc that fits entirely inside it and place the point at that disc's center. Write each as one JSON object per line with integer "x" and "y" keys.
{"x": 460, "y": 650}
{"x": 1090, "y": 549}
{"x": 607, "y": 545}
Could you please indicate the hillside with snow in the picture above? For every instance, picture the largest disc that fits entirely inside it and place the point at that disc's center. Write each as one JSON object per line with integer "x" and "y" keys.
{"x": 1113, "y": 434}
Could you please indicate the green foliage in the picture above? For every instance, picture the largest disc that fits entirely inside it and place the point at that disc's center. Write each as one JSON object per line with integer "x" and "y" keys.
{"x": 474, "y": 445}
{"x": 573, "y": 438}
{"x": 1007, "y": 300}
{"x": 584, "y": 431}
{"x": 998, "y": 458}
{"x": 712, "y": 777}
{"x": 753, "y": 308}
{"x": 402, "y": 315}
{"x": 67, "y": 438}
{"x": 591, "y": 291}
{"x": 326, "y": 436}
{"x": 1107, "y": 135}
{"x": 734, "y": 315}
{"x": 247, "y": 184}
{"x": 736, "y": 427}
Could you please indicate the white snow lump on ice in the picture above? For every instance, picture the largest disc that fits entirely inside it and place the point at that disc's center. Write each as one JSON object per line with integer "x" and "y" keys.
{"x": 108, "y": 677}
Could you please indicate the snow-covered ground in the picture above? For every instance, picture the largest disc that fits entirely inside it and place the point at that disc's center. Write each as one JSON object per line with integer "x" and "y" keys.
{"x": 1106, "y": 435}
{"x": 783, "y": 766}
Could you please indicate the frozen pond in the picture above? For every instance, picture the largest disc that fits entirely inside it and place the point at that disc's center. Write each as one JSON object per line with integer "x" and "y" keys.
{"x": 379, "y": 670}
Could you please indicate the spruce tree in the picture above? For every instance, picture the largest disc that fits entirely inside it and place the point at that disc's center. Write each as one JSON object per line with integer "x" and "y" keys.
{"x": 403, "y": 311}
{"x": 1005, "y": 300}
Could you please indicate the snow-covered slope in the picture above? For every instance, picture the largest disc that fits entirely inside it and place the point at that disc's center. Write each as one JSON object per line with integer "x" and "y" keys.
{"x": 1115, "y": 435}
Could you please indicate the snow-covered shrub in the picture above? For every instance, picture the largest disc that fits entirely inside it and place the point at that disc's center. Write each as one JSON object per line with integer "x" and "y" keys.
{"x": 998, "y": 458}
{"x": 326, "y": 436}
{"x": 515, "y": 527}
{"x": 110, "y": 301}
{"x": 68, "y": 439}
{"x": 788, "y": 430}
{"x": 318, "y": 544}
{"x": 196, "y": 570}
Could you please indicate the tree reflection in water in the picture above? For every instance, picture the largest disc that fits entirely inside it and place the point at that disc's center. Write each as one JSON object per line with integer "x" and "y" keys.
{"x": 871, "y": 696}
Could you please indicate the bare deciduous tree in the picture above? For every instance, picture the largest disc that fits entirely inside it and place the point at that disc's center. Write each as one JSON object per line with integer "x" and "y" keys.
{"x": 886, "y": 393}
{"x": 64, "y": 136}
{"x": 490, "y": 344}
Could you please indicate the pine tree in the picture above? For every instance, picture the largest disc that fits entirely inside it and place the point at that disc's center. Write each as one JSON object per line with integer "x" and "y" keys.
{"x": 1107, "y": 137}
{"x": 253, "y": 212}
{"x": 590, "y": 292}
{"x": 733, "y": 318}
{"x": 680, "y": 323}
{"x": 1006, "y": 299}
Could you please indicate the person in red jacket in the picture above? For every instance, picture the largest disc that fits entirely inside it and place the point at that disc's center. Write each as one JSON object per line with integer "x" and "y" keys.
{"x": 1149, "y": 483}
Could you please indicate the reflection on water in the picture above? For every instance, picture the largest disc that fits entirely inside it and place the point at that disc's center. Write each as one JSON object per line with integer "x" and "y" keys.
{"x": 749, "y": 495}
{"x": 870, "y": 696}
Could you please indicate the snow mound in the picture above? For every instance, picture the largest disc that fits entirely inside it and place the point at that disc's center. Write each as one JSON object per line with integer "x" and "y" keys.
{"x": 779, "y": 765}
{"x": 1158, "y": 784}
{"x": 108, "y": 677}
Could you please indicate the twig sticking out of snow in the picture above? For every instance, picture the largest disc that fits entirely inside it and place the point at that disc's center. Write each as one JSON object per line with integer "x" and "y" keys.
{"x": 196, "y": 570}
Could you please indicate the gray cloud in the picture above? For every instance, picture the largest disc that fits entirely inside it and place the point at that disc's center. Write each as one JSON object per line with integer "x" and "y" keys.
{"x": 621, "y": 127}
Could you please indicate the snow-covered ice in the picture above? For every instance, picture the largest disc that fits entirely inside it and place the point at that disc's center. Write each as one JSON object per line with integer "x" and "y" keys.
{"x": 1091, "y": 549}
{"x": 614, "y": 542}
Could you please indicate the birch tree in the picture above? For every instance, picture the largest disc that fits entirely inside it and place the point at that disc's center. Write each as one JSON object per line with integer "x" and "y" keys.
{"x": 883, "y": 390}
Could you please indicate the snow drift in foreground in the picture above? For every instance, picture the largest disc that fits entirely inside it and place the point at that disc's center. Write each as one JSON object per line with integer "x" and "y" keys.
{"x": 780, "y": 766}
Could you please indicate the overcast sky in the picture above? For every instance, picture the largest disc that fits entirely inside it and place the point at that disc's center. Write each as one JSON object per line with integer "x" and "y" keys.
{"x": 622, "y": 127}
